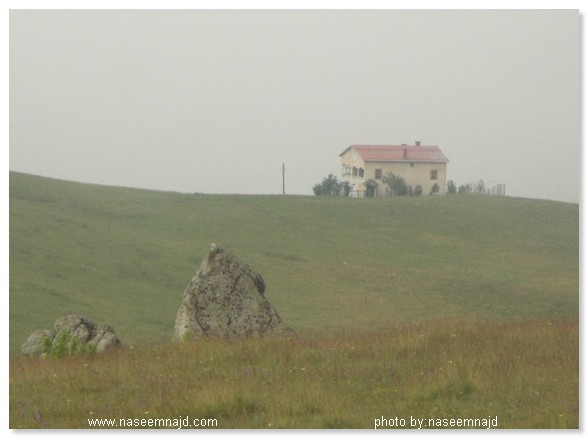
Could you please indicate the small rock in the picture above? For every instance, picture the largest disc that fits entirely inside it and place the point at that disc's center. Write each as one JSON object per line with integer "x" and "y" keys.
{"x": 75, "y": 332}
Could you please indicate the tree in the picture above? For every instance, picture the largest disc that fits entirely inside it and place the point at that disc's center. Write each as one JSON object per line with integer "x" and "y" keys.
{"x": 396, "y": 184}
{"x": 330, "y": 187}
{"x": 451, "y": 188}
{"x": 435, "y": 189}
{"x": 346, "y": 188}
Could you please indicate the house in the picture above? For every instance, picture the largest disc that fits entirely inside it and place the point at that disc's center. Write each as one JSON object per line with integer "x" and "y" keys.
{"x": 363, "y": 166}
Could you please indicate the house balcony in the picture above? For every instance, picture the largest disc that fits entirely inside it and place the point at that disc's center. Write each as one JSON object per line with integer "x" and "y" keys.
{"x": 350, "y": 173}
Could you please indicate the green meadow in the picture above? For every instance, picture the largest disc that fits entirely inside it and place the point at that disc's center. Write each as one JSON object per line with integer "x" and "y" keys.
{"x": 382, "y": 293}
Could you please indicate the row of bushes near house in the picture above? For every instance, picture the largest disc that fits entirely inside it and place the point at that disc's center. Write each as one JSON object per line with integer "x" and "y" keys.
{"x": 331, "y": 186}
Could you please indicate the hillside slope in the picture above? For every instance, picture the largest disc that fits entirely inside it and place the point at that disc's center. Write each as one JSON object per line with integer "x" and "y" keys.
{"x": 124, "y": 256}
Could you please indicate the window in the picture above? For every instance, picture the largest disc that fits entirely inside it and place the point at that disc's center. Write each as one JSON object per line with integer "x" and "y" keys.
{"x": 361, "y": 172}
{"x": 378, "y": 174}
{"x": 354, "y": 171}
{"x": 433, "y": 174}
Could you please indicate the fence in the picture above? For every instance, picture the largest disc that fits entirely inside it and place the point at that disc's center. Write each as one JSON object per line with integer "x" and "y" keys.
{"x": 480, "y": 188}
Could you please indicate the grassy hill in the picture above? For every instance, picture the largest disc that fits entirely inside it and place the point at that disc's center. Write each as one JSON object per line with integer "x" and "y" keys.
{"x": 437, "y": 308}
{"x": 124, "y": 256}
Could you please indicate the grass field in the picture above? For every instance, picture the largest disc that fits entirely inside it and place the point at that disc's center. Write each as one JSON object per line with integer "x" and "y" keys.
{"x": 337, "y": 270}
{"x": 525, "y": 374}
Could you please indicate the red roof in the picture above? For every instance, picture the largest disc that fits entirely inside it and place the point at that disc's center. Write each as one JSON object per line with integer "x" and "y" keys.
{"x": 397, "y": 153}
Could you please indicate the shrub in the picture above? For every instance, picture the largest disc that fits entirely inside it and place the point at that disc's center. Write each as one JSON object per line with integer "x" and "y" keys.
{"x": 451, "y": 188}
{"x": 330, "y": 186}
{"x": 65, "y": 344}
{"x": 396, "y": 184}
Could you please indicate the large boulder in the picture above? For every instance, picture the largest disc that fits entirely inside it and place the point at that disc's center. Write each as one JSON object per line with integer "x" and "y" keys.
{"x": 70, "y": 334}
{"x": 226, "y": 299}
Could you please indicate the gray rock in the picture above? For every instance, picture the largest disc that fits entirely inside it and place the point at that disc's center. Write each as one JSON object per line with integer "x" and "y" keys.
{"x": 226, "y": 299}
{"x": 77, "y": 326}
{"x": 34, "y": 345}
{"x": 70, "y": 333}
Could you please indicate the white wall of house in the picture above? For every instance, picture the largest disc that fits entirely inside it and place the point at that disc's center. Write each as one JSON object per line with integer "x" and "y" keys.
{"x": 414, "y": 173}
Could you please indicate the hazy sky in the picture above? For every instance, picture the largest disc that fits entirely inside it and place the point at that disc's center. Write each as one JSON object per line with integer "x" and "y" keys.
{"x": 215, "y": 101}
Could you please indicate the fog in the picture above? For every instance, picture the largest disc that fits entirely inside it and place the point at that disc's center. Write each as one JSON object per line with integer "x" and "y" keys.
{"x": 215, "y": 101}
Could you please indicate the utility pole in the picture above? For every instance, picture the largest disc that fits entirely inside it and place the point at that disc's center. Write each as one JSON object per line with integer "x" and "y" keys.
{"x": 283, "y": 178}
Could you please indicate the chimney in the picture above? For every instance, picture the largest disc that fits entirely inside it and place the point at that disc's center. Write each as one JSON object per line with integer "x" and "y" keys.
{"x": 417, "y": 143}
